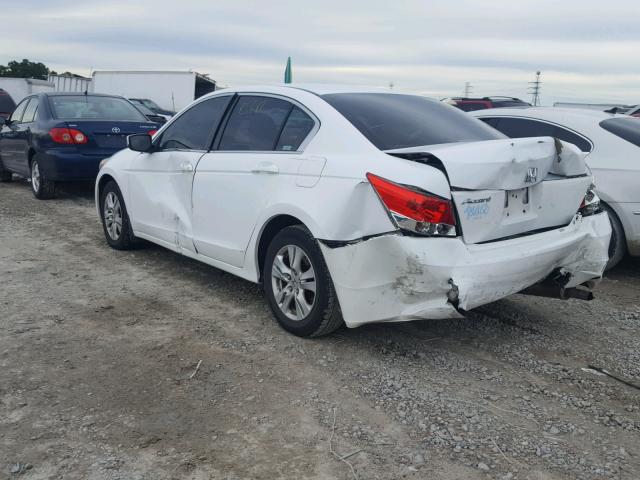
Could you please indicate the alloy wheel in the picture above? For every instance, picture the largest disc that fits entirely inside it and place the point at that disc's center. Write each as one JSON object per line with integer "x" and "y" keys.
{"x": 293, "y": 280}
{"x": 112, "y": 211}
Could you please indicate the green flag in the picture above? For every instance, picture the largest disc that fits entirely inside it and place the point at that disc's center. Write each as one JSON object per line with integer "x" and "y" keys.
{"x": 287, "y": 72}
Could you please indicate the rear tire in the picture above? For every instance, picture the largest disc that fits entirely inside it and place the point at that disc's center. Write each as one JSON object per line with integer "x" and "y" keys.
{"x": 42, "y": 188}
{"x": 115, "y": 219}
{"x": 298, "y": 285}
{"x": 618, "y": 243}
{"x": 5, "y": 175}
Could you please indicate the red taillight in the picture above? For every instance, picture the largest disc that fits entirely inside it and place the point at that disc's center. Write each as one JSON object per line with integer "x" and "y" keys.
{"x": 152, "y": 132}
{"x": 68, "y": 136}
{"x": 415, "y": 210}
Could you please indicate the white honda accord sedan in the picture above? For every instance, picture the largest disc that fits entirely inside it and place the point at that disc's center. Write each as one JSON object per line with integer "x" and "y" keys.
{"x": 358, "y": 206}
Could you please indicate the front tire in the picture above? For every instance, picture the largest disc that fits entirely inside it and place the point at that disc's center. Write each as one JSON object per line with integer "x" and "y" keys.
{"x": 298, "y": 285}
{"x": 42, "y": 188}
{"x": 618, "y": 243}
{"x": 115, "y": 219}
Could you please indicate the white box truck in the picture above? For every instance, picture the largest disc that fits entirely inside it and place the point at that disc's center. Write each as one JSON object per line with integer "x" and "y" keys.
{"x": 19, "y": 88}
{"x": 171, "y": 90}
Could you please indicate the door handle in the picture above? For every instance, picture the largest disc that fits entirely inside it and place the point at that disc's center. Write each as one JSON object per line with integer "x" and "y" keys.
{"x": 186, "y": 167}
{"x": 266, "y": 167}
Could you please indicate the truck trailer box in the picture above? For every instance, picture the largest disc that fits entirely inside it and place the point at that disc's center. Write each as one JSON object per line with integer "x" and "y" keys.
{"x": 19, "y": 88}
{"x": 172, "y": 90}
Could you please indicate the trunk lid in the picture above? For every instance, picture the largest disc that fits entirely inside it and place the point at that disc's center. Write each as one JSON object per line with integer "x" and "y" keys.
{"x": 108, "y": 136}
{"x": 508, "y": 187}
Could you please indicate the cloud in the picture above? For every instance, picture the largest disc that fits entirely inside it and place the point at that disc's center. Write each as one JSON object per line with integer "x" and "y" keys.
{"x": 586, "y": 49}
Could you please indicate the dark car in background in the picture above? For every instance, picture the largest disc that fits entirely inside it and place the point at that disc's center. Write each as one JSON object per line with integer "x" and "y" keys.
{"x": 153, "y": 106}
{"x": 150, "y": 114}
{"x": 471, "y": 104}
{"x": 59, "y": 137}
{"x": 7, "y": 105}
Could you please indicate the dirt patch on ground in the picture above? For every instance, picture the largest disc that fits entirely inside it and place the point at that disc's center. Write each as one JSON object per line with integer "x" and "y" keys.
{"x": 98, "y": 349}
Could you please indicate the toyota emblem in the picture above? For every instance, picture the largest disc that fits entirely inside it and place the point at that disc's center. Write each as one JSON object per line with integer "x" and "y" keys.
{"x": 115, "y": 130}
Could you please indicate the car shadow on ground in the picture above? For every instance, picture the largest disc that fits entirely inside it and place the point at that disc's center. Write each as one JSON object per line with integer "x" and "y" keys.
{"x": 628, "y": 268}
{"x": 64, "y": 190}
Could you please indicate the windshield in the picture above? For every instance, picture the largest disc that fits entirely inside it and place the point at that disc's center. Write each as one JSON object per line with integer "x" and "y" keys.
{"x": 151, "y": 104}
{"x": 392, "y": 121}
{"x": 94, "y": 108}
{"x": 627, "y": 128}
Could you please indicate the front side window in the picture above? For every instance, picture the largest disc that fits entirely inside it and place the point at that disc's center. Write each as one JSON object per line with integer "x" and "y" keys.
{"x": 16, "y": 116}
{"x": 195, "y": 128}
{"x": 627, "y": 128}
{"x": 393, "y": 121}
{"x": 255, "y": 124}
{"x": 94, "y": 107}
{"x": 30, "y": 111}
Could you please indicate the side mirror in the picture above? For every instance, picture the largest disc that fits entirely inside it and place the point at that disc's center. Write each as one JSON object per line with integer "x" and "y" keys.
{"x": 139, "y": 142}
{"x": 4, "y": 120}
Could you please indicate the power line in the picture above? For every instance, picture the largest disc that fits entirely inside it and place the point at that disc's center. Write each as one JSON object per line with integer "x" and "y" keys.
{"x": 534, "y": 89}
{"x": 467, "y": 89}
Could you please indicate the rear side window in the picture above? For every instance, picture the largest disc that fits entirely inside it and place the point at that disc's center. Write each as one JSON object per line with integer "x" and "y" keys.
{"x": 524, "y": 127}
{"x": 195, "y": 128}
{"x": 626, "y": 128}
{"x": 392, "y": 121}
{"x": 295, "y": 130}
{"x": 6, "y": 103}
{"x": 255, "y": 124}
{"x": 93, "y": 107}
{"x": 30, "y": 112}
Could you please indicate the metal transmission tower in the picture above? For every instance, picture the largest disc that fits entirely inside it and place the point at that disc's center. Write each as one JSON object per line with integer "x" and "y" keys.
{"x": 467, "y": 89}
{"x": 534, "y": 89}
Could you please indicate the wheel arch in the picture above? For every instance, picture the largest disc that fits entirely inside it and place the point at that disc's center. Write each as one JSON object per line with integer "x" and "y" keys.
{"x": 271, "y": 228}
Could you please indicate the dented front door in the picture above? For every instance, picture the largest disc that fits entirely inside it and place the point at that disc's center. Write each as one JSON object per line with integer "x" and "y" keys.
{"x": 160, "y": 185}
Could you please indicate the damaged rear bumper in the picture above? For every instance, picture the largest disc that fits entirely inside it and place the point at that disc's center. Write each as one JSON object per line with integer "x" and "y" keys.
{"x": 398, "y": 278}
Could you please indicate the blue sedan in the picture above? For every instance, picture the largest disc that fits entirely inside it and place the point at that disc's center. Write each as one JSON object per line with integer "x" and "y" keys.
{"x": 60, "y": 137}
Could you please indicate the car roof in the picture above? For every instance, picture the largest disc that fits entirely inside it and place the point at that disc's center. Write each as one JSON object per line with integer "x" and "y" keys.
{"x": 317, "y": 89}
{"x": 70, "y": 94}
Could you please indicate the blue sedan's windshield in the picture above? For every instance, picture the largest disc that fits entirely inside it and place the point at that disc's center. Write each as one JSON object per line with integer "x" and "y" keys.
{"x": 94, "y": 107}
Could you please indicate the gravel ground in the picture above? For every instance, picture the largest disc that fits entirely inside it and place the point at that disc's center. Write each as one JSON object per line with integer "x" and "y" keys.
{"x": 99, "y": 352}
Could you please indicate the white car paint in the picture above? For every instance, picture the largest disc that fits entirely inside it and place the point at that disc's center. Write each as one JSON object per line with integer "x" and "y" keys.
{"x": 614, "y": 161}
{"x": 214, "y": 206}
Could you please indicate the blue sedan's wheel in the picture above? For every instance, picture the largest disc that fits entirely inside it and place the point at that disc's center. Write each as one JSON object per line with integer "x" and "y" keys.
{"x": 41, "y": 187}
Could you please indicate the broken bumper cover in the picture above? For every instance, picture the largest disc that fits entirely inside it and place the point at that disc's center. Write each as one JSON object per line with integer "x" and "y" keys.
{"x": 398, "y": 278}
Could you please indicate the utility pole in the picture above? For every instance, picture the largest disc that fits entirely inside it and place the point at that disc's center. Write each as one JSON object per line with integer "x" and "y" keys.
{"x": 534, "y": 89}
{"x": 467, "y": 89}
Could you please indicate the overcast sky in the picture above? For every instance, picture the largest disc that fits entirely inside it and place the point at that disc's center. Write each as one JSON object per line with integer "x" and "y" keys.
{"x": 587, "y": 50}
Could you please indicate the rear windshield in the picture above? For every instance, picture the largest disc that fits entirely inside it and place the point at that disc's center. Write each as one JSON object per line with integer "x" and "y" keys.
{"x": 627, "y": 128}
{"x": 393, "y": 121}
{"x": 94, "y": 108}
{"x": 6, "y": 103}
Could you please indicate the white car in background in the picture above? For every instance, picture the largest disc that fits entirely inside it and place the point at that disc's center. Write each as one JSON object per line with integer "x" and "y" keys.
{"x": 613, "y": 146}
{"x": 358, "y": 206}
